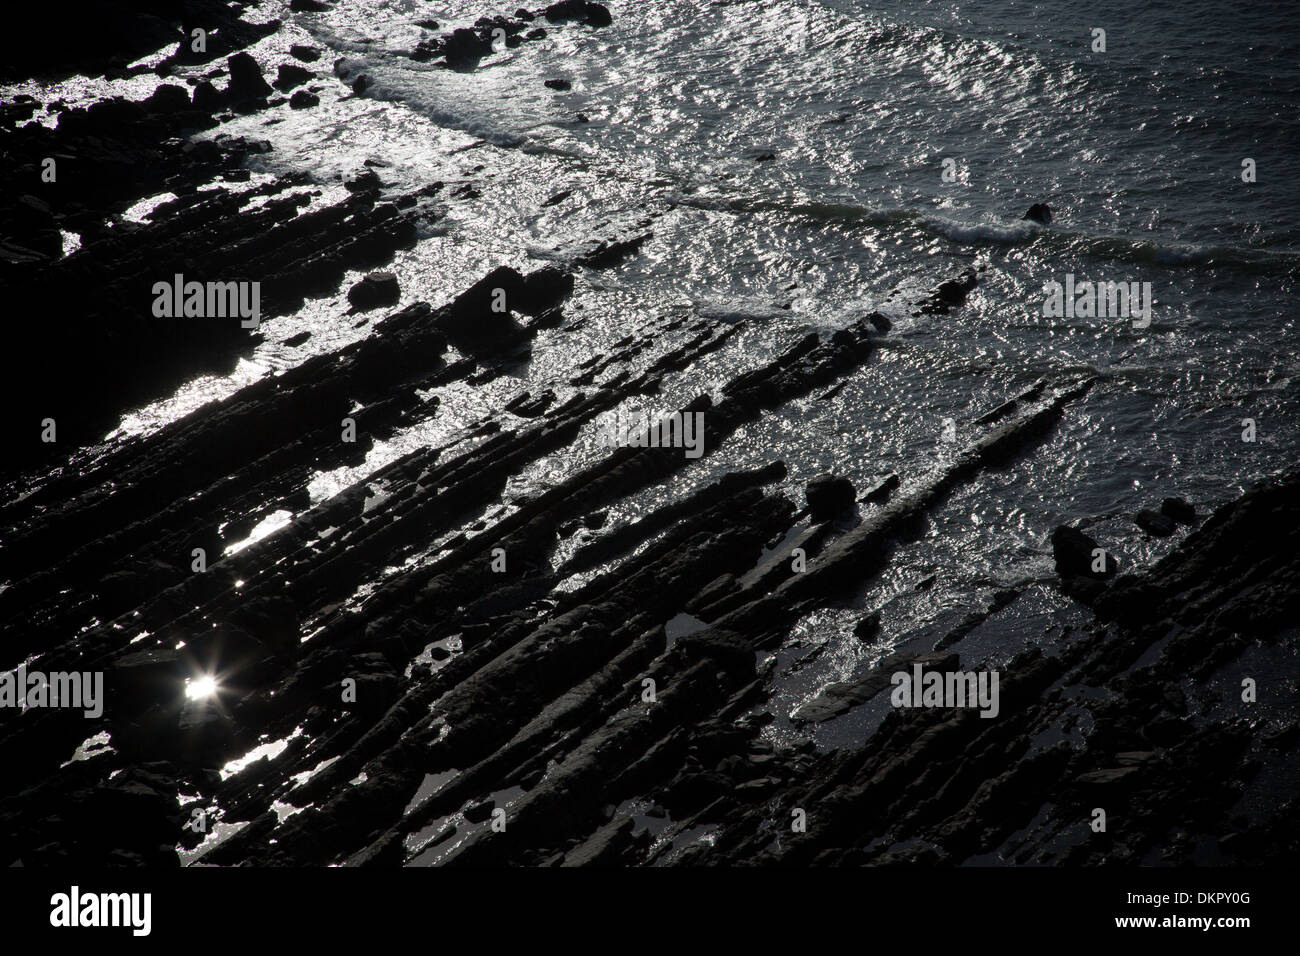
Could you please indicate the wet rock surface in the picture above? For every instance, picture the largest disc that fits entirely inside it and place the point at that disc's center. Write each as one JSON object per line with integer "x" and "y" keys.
{"x": 463, "y": 47}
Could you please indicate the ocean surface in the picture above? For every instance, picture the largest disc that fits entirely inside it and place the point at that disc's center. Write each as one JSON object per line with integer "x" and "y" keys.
{"x": 788, "y": 159}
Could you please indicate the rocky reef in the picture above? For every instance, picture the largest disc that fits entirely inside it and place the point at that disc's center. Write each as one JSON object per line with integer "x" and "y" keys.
{"x": 446, "y": 685}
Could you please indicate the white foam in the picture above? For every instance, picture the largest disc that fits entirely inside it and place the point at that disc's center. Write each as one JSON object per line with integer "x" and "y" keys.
{"x": 965, "y": 231}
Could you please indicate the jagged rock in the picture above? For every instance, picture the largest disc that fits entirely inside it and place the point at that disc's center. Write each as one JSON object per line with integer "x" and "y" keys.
{"x": 1039, "y": 212}
{"x": 868, "y": 628}
{"x": 375, "y": 290}
{"x": 1155, "y": 523}
{"x": 542, "y": 289}
{"x": 149, "y": 675}
{"x": 246, "y": 81}
{"x": 1179, "y": 510}
{"x": 879, "y": 492}
{"x": 953, "y": 292}
{"x": 362, "y": 180}
{"x": 1075, "y": 555}
{"x": 303, "y": 99}
{"x": 464, "y": 44}
{"x": 603, "y": 252}
{"x": 528, "y": 406}
{"x": 829, "y": 496}
{"x": 592, "y": 14}
{"x": 206, "y": 97}
{"x": 480, "y": 317}
{"x": 291, "y": 75}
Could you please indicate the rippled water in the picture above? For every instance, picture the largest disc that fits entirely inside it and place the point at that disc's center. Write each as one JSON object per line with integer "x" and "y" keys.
{"x": 1138, "y": 150}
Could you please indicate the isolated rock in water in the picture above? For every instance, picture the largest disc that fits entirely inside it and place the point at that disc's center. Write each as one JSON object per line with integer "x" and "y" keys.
{"x": 361, "y": 84}
{"x": 829, "y": 496}
{"x": 308, "y": 54}
{"x": 599, "y": 253}
{"x": 1154, "y": 523}
{"x": 592, "y": 14}
{"x": 375, "y": 290}
{"x": 246, "y": 82}
{"x": 879, "y": 493}
{"x": 291, "y": 75}
{"x": 1076, "y": 556}
{"x": 307, "y": 6}
{"x": 303, "y": 99}
{"x": 880, "y": 321}
{"x": 558, "y": 84}
{"x": 1039, "y": 212}
{"x": 867, "y": 628}
{"x": 954, "y": 291}
{"x": 1179, "y": 510}
{"x": 948, "y": 295}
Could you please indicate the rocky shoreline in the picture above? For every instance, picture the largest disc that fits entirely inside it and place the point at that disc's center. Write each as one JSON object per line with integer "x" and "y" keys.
{"x": 416, "y": 645}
